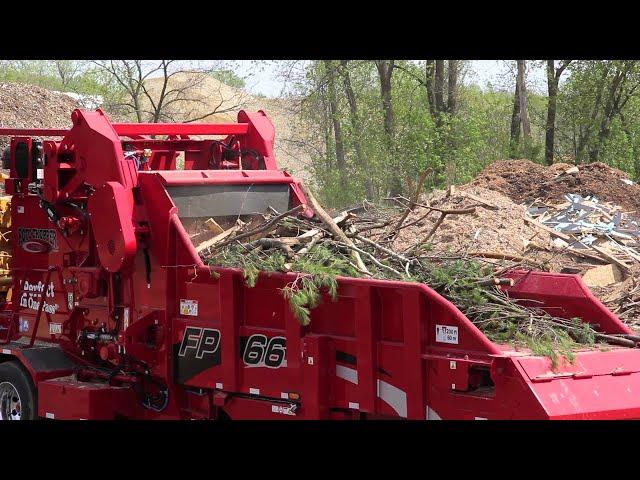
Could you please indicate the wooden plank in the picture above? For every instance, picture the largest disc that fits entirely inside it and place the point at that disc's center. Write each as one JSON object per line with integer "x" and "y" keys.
{"x": 218, "y": 238}
{"x": 213, "y": 226}
{"x": 549, "y": 230}
{"x": 584, "y": 254}
{"x": 478, "y": 199}
{"x": 612, "y": 259}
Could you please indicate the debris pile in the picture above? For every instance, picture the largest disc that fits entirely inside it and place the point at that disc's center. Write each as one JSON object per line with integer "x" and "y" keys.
{"x": 425, "y": 241}
{"x": 480, "y": 223}
{"x": 593, "y": 227}
{"x": 592, "y": 212}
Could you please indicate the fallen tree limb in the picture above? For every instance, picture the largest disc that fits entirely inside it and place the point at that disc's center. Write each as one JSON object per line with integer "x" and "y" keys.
{"x": 497, "y": 282}
{"x": 498, "y": 256}
{"x": 371, "y": 257}
{"x": 443, "y": 214}
{"x": 333, "y": 228}
{"x": 414, "y": 199}
{"x": 337, "y": 220}
{"x": 271, "y": 243}
{"x": 389, "y": 252}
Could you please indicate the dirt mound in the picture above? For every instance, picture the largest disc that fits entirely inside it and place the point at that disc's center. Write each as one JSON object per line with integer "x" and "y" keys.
{"x": 524, "y": 181}
{"x": 29, "y": 106}
{"x": 203, "y": 94}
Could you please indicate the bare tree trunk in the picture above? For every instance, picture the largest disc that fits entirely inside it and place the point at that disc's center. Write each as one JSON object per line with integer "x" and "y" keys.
{"x": 452, "y": 94}
{"x": 326, "y": 129}
{"x": 522, "y": 96}
{"x": 429, "y": 84}
{"x": 515, "y": 124}
{"x": 439, "y": 87}
{"x": 552, "y": 87}
{"x": 585, "y": 135}
{"x": 385, "y": 72}
{"x": 335, "y": 119}
{"x": 355, "y": 127}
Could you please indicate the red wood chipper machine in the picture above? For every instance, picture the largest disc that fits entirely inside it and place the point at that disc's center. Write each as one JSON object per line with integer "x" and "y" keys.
{"x": 113, "y": 314}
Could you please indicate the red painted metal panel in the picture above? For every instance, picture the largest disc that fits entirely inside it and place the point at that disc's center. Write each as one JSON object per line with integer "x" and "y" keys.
{"x": 565, "y": 296}
{"x": 126, "y": 129}
{"x": 415, "y": 371}
{"x": 111, "y": 214}
{"x": 136, "y": 129}
{"x": 367, "y": 341}
{"x": 67, "y": 399}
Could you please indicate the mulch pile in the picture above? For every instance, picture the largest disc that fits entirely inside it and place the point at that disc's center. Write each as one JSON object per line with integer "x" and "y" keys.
{"x": 29, "y": 106}
{"x": 524, "y": 182}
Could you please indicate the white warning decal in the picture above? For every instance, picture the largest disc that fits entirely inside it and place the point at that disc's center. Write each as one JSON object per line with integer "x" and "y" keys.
{"x": 446, "y": 334}
{"x": 283, "y": 410}
{"x": 55, "y": 328}
{"x": 189, "y": 307}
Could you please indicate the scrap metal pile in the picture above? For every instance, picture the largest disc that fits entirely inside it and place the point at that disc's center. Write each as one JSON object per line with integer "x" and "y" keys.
{"x": 443, "y": 241}
{"x": 607, "y": 234}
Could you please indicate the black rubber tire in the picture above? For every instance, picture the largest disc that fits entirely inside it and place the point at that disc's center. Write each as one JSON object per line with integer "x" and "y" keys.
{"x": 15, "y": 374}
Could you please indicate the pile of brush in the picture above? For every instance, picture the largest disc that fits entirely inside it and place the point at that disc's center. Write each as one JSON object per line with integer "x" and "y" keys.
{"x": 358, "y": 243}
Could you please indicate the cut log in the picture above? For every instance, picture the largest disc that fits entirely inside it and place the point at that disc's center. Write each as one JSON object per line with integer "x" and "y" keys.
{"x": 451, "y": 190}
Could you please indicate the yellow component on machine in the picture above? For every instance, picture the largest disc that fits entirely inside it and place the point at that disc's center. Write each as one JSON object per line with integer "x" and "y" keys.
{"x": 5, "y": 243}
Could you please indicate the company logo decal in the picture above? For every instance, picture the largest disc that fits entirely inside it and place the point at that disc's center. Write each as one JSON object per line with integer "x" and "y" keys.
{"x": 38, "y": 240}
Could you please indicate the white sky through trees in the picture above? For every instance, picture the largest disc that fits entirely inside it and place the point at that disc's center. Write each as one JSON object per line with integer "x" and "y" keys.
{"x": 263, "y": 77}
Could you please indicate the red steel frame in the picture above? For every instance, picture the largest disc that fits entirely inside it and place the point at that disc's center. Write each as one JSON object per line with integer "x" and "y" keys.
{"x": 373, "y": 353}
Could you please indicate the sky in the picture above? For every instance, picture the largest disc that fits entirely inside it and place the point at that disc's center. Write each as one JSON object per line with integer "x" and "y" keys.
{"x": 263, "y": 79}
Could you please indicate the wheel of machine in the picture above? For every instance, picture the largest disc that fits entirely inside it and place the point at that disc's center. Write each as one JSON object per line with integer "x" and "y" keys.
{"x": 17, "y": 393}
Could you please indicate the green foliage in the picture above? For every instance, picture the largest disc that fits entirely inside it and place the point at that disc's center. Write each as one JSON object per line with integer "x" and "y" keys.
{"x": 61, "y": 75}
{"x": 456, "y": 147}
{"x": 229, "y": 77}
{"x": 460, "y": 281}
{"x": 318, "y": 270}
